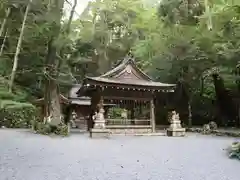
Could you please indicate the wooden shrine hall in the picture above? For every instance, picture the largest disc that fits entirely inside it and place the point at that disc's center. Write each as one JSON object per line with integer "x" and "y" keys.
{"x": 131, "y": 90}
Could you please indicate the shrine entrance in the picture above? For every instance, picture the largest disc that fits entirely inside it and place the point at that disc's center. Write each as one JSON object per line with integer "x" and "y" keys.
{"x": 132, "y": 91}
{"x": 129, "y": 112}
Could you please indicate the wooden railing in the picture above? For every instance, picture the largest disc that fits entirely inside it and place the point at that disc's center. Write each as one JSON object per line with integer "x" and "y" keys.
{"x": 128, "y": 122}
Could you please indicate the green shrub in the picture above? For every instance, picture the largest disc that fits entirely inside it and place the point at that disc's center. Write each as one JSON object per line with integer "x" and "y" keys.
{"x": 42, "y": 128}
{"x": 6, "y": 95}
{"x": 14, "y": 112}
{"x": 19, "y": 96}
{"x": 115, "y": 112}
{"x": 16, "y": 115}
{"x": 47, "y": 129}
{"x": 214, "y": 132}
{"x": 62, "y": 130}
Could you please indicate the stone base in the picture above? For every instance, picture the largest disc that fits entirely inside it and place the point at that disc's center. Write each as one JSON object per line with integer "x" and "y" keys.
{"x": 99, "y": 133}
{"x": 176, "y": 132}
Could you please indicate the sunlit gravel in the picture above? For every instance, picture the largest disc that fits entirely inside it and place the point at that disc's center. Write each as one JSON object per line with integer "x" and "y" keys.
{"x": 27, "y": 156}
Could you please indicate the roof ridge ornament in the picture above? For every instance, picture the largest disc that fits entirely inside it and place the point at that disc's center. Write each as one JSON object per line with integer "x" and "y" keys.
{"x": 128, "y": 69}
{"x": 130, "y": 54}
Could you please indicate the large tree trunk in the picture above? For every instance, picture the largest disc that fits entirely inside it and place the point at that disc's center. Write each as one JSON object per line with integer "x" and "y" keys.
{"x": 227, "y": 106}
{"x": 52, "y": 102}
{"x": 237, "y": 73}
{"x": 51, "y": 95}
{"x": 187, "y": 89}
{"x": 62, "y": 57}
{"x": 4, "y": 22}
{"x": 15, "y": 62}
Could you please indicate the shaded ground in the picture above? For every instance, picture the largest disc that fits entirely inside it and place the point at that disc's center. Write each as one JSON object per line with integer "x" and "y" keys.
{"x": 26, "y": 156}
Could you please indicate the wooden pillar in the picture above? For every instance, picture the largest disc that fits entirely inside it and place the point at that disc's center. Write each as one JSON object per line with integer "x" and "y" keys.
{"x": 152, "y": 115}
{"x": 101, "y": 101}
{"x": 132, "y": 117}
{"x": 95, "y": 100}
{"x": 106, "y": 108}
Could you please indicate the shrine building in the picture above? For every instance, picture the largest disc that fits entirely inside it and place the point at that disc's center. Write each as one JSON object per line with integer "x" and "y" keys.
{"x": 132, "y": 94}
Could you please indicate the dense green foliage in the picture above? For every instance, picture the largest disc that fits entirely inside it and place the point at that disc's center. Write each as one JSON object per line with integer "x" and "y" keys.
{"x": 192, "y": 43}
{"x": 15, "y": 111}
{"x": 17, "y": 115}
{"x": 47, "y": 129}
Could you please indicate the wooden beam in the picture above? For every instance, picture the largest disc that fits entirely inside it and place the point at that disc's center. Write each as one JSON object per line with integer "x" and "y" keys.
{"x": 126, "y": 98}
{"x": 152, "y": 116}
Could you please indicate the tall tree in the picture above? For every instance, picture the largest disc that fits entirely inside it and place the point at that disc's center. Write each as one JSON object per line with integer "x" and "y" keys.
{"x": 107, "y": 25}
{"x": 18, "y": 48}
{"x": 51, "y": 95}
{"x": 3, "y": 24}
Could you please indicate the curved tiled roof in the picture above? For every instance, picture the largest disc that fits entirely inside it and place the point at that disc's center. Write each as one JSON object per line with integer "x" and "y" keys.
{"x": 131, "y": 82}
{"x": 127, "y": 73}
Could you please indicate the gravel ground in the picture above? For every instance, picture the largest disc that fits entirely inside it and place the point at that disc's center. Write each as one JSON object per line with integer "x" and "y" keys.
{"x": 26, "y": 156}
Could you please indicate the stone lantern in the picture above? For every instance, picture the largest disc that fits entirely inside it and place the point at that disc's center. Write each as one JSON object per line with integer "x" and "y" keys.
{"x": 175, "y": 128}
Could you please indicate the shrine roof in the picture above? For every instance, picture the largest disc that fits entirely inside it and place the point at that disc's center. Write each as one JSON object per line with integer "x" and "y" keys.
{"x": 126, "y": 64}
{"x": 73, "y": 92}
{"x": 127, "y": 73}
{"x": 75, "y": 99}
{"x": 131, "y": 82}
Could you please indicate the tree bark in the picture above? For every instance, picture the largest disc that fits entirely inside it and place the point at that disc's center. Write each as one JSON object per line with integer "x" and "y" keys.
{"x": 228, "y": 108}
{"x": 3, "y": 43}
{"x": 67, "y": 32}
{"x": 18, "y": 49}
{"x": 4, "y": 21}
{"x": 209, "y": 15}
{"x": 51, "y": 96}
{"x": 189, "y": 114}
{"x": 71, "y": 16}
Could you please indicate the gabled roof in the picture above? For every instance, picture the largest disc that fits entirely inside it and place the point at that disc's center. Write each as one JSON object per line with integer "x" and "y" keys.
{"x": 127, "y": 73}
{"x": 126, "y": 65}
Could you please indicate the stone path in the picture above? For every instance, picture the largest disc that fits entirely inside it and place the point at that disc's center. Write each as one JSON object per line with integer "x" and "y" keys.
{"x": 26, "y": 156}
